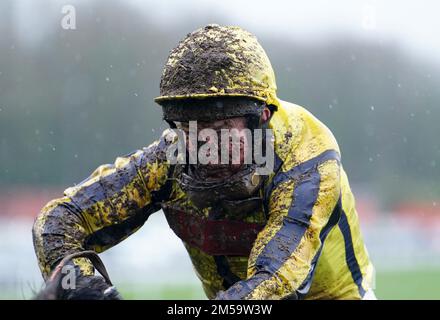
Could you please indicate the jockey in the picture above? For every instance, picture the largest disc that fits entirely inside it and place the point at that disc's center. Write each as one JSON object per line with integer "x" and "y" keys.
{"x": 291, "y": 232}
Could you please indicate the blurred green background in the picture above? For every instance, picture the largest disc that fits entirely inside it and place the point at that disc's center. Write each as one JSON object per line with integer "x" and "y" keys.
{"x": 77, "y": 98}
{"x": 71, "y": 100}
{"x": 417, "y": 284}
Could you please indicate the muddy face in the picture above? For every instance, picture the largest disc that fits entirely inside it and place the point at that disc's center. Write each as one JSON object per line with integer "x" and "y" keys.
{"x": 230, "y": 147}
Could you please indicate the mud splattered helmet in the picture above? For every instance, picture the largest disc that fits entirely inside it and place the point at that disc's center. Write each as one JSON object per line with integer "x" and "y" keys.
{"x": 218, "y": 72}
{"x": 212, "y": 62}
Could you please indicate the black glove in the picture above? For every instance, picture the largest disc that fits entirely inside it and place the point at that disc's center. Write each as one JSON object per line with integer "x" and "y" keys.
{"x": 91, "y": 288}
{"x": 84, "y": 287}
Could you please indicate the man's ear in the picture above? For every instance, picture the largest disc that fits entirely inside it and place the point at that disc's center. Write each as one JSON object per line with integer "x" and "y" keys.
{"x": 265, "y": 115}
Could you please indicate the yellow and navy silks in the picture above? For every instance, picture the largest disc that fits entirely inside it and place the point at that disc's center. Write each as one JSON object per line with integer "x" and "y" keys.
{"x": 304, "y": 242}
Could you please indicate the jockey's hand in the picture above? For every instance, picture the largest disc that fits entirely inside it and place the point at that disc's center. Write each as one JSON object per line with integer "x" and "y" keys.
{"x": 83, "y": 288}
{"x": 91, "y": 288}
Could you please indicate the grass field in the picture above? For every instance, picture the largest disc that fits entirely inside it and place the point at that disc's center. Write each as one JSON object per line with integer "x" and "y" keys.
{"x": 421, "y": 284}
{"x": 418, "y": 284}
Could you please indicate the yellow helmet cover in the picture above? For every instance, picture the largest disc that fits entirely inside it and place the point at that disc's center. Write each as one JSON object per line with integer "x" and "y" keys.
{"x": 218, "y": 61}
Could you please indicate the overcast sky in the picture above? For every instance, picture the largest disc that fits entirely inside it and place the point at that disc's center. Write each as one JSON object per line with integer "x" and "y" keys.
{"x": 414, "y": 24}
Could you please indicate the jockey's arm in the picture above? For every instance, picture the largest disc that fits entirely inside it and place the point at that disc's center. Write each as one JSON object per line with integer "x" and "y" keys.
{"x": 108, "y": 206}
{"x": 303, "y": 207}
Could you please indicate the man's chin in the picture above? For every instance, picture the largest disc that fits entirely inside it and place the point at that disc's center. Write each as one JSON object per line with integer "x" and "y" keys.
{"x": 217, "y": 172}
